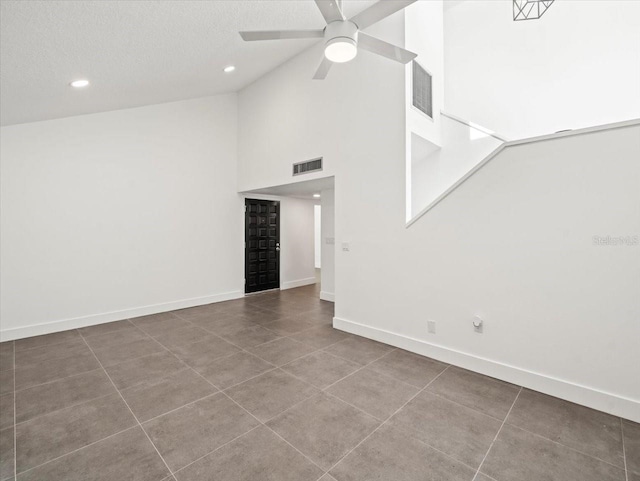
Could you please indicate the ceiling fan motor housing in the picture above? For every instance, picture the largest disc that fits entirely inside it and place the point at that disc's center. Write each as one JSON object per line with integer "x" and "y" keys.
{"x": 340, "y": 31}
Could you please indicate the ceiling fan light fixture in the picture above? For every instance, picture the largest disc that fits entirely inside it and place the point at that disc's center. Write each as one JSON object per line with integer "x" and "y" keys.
{"x": 342, "y": 36}
{"x": 341, "y": 49}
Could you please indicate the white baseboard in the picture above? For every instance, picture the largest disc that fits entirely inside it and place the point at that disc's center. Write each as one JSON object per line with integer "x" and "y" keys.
{"x": 579, "y": 394}
{"x": 327, "y": 296}
{"x": 297, "y": 283}
{"x": 92, "y": 320}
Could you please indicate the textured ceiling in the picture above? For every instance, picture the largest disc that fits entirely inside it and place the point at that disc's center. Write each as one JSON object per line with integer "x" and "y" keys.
{"x": 137, "y": 52}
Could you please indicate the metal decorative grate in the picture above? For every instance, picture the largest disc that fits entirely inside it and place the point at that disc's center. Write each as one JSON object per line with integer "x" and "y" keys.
{"x": 307, "y": 166}
{"x": 422, "y": 89}
{"x": 530, "y": 9}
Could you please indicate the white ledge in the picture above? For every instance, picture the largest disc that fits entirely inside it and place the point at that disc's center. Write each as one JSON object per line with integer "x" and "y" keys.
{"x": 514, "y": 143}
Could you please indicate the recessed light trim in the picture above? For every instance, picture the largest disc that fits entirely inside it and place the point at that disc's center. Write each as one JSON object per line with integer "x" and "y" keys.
{"x": 317, "y": 196}
{"x": 229, "y": 69}
{"x": 80, "y": 83}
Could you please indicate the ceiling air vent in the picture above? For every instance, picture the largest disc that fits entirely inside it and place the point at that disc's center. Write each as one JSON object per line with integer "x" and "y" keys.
{"x": 307, "y": 166}
{"x": 422, "y": 90}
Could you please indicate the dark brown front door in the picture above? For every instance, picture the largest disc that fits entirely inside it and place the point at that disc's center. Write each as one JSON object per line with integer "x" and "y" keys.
{"x": 262, "y": 245}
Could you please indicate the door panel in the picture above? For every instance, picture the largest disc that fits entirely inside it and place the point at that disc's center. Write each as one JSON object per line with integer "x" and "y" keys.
{"x": 262, "y": 245}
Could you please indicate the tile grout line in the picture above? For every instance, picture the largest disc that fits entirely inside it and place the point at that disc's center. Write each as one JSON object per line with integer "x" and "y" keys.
{"x": 386, "y": 420}
{"x": 624, "y": 451}
{"x": 167, "y": 349}
{"x": 290, "y": 336}
{"x": 62, "y": 409}
{"x": 360, "y": 368}
{"x": 465, "y": 406}
{"x": 247, "y": 411}
{"x": 274, "y": 432}
{"x": 44, "y": 345}
{"x": 214, "y": 360}
{"x": 497, "y": 434}
{"x": 237, "y": 404}
{"x": 219, "y": 447}
{"x": 128, "y": 407}
{"x": 246, "y": 351}
{"x": 244, "y": 409}
{"x": 78, "y": 449}
{"x": 323, "y": 390}
{"x": 59, "y": 379}
{"x": 241, "y": 407}
{"x": 564, "y": 445}
{"x": 180, "y": 407}
{"x": 326, "y": 393}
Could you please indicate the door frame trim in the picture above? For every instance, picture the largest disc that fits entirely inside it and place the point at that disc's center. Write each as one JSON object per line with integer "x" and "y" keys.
{"x": 278, "y": 203}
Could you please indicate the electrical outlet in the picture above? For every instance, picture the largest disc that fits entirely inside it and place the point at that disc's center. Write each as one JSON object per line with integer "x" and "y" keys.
{"x": 345, "y": 247}
{"x": 431, "y": 327}
{"x": 478, "y": 324}
{"x": 330, "y": 240}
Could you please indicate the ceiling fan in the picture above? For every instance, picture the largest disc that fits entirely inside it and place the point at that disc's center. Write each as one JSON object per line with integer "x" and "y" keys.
{"x": 343, "y": 37}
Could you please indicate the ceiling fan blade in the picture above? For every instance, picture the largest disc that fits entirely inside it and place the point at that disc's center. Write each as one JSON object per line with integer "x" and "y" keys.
{"x": 330, "y": 10}
{"x": 378, "y": 11}
{"x": 385, "y": 49}
{"x": 280, "y": 34}
{"x": 323, "y": 69}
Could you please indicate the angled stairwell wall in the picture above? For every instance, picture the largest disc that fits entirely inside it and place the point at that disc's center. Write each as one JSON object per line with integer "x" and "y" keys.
{"x": 542, "y": 242}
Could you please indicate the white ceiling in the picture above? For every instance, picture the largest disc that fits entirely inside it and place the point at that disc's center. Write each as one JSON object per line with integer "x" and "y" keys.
{"x": 138, "y": 52}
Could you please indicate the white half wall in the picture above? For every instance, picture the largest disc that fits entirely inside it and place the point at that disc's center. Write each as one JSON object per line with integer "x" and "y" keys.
{"x": 436, "y": 170}
{"x": 119, "y": 214}
{"x": 577, "y": 66}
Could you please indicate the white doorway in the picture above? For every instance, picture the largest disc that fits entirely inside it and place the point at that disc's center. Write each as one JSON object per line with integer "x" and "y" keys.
{"x": 303, "y": 254}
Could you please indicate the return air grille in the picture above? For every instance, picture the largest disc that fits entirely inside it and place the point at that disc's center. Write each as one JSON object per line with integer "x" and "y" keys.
{"x": 422, "y": 90}
{"x": 307, "y": 166}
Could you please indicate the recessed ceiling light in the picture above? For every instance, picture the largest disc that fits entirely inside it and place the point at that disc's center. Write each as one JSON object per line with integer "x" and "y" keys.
{"x": 79, "y": 83}
{"x": 229, "y": 69}
{"x": 317, "y": 196}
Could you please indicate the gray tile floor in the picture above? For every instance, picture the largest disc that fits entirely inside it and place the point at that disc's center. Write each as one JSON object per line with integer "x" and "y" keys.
{"x": 263, "y": 388}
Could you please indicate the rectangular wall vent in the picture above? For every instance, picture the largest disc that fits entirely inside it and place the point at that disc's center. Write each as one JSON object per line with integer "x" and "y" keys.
{"x": 422, "y": 90}
{"x": 307, "y": 166}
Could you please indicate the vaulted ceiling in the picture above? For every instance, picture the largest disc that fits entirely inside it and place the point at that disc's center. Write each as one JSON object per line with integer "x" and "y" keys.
{"x": 137, "y": 52}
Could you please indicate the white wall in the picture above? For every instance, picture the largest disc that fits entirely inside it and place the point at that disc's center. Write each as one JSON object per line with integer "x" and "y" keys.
{"x": 513, "y": 244}
{"x": 118, "y": 214}
{"x": 328, "y": 274}
{"x": 297, "y": 254}
{"x": 577, "y": 66}
{"x": 317, "y": 236}
{"x": 301, "y": 108}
